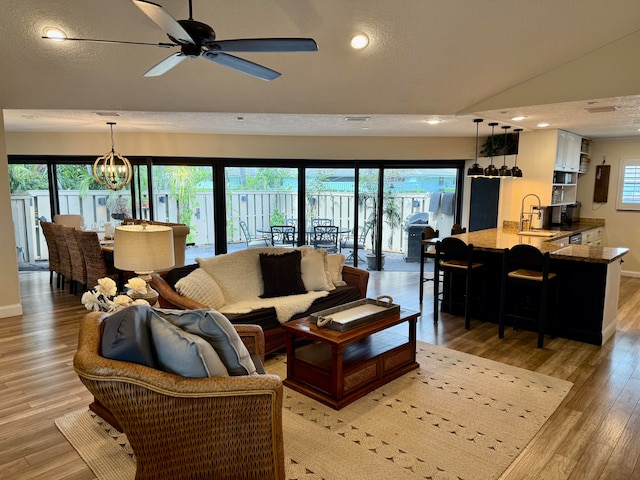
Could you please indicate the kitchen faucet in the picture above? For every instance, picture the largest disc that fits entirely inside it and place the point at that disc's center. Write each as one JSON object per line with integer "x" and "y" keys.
{"x": 523, "y": 213}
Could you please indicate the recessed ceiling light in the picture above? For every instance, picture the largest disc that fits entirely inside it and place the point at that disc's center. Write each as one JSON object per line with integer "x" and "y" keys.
{"x": 543, "y": 125}
{"x": 602, "y": 109}
{"x": 357, "y": 119}
{"x": 54, "y": 34}
{"x": 359, "y": 41}
{"x": 518, "y": 118}
{"x": 434, "y": 121}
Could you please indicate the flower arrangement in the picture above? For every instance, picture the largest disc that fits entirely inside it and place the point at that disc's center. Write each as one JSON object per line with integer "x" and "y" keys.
{"x": 103, "y": 296}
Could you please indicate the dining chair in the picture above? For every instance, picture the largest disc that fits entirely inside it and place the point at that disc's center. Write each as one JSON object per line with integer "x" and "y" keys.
{"x": 326, "y": 236}
{"x": 94, "y": 258}
{"x": 54, "y": 257}
{"x": 63, "y": 253}
{"x": 78, "y": 269}
{"x": 70, "y": 220}
{"x": 283, "y": 235}
{"x": 253, "y": 242}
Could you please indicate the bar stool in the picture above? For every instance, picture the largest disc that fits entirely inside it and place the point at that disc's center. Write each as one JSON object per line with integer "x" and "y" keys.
{"x": 454, "y": 257}
{"x": 526, "y": 280}
{"x": 427, "y": 251}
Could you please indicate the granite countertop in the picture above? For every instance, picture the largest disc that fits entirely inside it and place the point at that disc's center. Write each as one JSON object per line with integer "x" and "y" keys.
{"x": 497, "y": 239}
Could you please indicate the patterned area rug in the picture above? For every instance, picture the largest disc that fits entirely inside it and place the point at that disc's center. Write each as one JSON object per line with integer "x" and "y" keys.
{"x": 457, "y": 417}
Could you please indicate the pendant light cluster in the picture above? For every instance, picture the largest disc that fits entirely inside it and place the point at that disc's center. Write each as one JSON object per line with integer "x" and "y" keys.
{"x": 112, "y": 169}
{"x": 491, "y": 171}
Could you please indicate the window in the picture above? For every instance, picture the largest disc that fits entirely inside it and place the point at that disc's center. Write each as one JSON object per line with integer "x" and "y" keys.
{"x": 629, "y": 185}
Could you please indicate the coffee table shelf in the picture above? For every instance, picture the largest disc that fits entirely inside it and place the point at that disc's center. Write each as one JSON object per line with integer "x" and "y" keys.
{"x": 337, "y": 368}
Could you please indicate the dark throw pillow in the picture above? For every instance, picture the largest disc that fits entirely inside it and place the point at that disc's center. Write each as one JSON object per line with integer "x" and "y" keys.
{"x": 126, "y": 336}
{"x": 281, "y": 274}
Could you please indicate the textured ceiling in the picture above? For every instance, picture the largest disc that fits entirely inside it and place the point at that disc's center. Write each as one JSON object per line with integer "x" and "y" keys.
{"x": 427, "y": 59}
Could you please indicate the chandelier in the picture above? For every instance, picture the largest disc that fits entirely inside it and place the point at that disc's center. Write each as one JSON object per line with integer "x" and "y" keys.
{"x": 112, "y": 169}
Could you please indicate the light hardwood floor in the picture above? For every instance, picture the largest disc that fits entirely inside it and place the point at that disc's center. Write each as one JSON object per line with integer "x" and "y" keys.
{"x": 595, "y": 434}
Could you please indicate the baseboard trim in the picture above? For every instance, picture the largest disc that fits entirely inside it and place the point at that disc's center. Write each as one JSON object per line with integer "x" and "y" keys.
{"x": 14, "y": 310}
{"x": 627, "y": 273}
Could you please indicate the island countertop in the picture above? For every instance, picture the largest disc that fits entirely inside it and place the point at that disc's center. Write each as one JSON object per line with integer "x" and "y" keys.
{"x": 497, "y": 239}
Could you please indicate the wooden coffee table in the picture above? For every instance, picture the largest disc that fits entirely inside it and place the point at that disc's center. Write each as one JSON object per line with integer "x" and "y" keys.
{"x": 337, "y": 368}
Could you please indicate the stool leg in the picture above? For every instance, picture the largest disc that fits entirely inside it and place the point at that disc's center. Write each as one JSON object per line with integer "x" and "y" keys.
{"x": 503, "y": 297}
{"x": 421, "y": 274}
{"x": 542, "y": 314}
{"x": 436, "y": 292}
{"x": 467, "y": 301}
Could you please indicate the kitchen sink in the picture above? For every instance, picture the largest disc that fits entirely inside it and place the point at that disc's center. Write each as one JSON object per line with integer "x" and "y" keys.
{"x": 540, "y": 233}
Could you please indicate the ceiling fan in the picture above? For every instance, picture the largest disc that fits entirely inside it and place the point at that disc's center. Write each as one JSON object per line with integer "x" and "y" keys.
{"x": 197, "y": 39}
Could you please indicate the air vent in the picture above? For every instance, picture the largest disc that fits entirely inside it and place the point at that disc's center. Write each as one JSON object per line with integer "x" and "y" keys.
{"x": 602, "y": 109}
{"x": 357, "y": 119}
{"x": 107, "y": 114}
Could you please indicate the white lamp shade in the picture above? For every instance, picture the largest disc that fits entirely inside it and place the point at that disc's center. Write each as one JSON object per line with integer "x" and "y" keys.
{"x": 143, "y": 248}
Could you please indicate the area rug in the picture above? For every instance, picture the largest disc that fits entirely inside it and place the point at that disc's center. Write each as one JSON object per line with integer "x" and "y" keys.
{"x": 456, "y": 417}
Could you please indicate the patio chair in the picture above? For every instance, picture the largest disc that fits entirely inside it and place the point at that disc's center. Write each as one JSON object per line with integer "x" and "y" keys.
{"x": 326, "y": 236}
{"x": 350, "y": 244}
{"x": 283, "y": 235}
{"x": 253, "y": 242}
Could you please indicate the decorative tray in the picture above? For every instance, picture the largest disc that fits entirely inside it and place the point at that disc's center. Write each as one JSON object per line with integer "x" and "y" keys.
{"x": 355, "y": 314}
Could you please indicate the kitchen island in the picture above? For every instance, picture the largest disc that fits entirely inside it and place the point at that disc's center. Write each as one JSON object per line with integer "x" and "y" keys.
{"x": 588, "y": 277}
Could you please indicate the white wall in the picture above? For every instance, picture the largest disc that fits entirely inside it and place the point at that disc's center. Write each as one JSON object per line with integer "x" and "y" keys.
{"x": 622, "y": 228}
{"x": 9, "y": 285}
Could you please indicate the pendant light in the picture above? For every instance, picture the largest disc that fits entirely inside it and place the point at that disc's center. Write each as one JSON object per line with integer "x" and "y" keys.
{"x": 491, "y": 171}
{"x": 112, "y": 169}
{"x": 515, "y": 171}
{"x": 504, "y": 170}
{"x": 476, "y": 170}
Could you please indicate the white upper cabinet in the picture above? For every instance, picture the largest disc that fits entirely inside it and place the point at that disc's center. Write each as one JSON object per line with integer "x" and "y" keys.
{"x": 568, "y": 152}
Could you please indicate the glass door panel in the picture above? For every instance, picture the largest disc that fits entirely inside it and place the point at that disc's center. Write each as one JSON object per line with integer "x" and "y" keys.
{"x": 258, "y": 197}
{"x": 184, "y": 194}
{"x": 414, "y": 198}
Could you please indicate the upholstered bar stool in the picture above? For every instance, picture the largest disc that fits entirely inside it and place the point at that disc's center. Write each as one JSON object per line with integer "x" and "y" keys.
{"x": 526, "y": 284}
{"x": 454, "y": 258}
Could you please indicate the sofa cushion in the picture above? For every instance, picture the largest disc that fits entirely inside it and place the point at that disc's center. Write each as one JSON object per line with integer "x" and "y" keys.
{"x": 201, "y": 287}
{"x": 336, "y": 262}
{"x": 315, "y": 269}
{"x": 183, "y": 353}
{"x": 281, "y": 274}
{"x": 218, "y": 331}
{"x": 175, "y": 274}
{"x": 238, "y": 273}
{"x": 126, "y": 337}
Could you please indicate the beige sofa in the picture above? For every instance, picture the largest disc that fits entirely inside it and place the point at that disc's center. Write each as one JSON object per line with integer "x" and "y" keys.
{"x": 237, "y": 279}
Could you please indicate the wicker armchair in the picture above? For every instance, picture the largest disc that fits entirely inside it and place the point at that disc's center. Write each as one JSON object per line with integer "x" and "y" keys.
{"x": 52, "y": 246}
{"x": 188, "y": 428}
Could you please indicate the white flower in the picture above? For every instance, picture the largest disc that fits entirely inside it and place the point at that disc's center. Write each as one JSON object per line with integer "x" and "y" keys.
{"x": 103, "y": 296}
{"x": 91, "y": 300}
{"x": 106, "y": 287}
{"x": 137, "y": 284}
{"x": 122, "y": 301}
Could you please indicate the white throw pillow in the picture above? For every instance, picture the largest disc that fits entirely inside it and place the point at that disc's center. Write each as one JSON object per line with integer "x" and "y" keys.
{"x": 314, "y": 266}
{"x": 336, "y": 262}
{"x": 202, "y": 288}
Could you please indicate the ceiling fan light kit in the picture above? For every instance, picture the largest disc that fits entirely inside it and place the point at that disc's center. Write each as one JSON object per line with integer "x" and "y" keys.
{"x": 197, "y": 39}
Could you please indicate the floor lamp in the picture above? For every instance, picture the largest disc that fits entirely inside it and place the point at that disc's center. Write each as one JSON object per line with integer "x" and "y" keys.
{"x": 143, "y": 249}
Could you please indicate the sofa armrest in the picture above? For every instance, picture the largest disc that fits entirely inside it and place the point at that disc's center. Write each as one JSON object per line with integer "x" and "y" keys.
{"x": 169, "y": 298}
{"x": 357, "y": 278}
{"x": 253, "y": 338}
